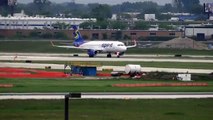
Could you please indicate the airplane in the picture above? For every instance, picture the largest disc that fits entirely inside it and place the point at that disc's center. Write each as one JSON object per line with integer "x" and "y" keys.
{"x": 95, "y": 47}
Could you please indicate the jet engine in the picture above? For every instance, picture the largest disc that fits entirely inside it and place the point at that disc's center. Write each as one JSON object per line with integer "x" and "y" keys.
{"x": 91, "y": 53}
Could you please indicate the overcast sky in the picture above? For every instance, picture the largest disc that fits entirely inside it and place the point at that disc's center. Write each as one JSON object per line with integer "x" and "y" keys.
{"x": 109, "y": 1}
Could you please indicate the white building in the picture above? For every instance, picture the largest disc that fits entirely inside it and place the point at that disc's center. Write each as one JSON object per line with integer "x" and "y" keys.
{"x": 149, "y": 17}
{"x": 21, "y": 21}
{"x": 154, "y": 28}
{"x": 114, "y": 17}
{"x": 211, "y": 18}
{"x": 200, "y": 31}
{"x": 176, "y": 14}
{"x": 12, "y": 2}
{"x": 174, "y": 19}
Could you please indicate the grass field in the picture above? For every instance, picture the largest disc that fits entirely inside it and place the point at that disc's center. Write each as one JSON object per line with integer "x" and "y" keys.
{"x": 187, "y": 65}
{"x": 181, "y": 109}
{"x": 68, "y": 85}
{"x": 45, "y": 47}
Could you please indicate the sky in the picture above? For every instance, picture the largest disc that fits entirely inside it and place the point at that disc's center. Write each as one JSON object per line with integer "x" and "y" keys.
{"x": 112, "y": 2}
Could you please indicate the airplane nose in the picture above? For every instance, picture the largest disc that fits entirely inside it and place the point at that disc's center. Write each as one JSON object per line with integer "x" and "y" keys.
{"x": 124, "y": 48}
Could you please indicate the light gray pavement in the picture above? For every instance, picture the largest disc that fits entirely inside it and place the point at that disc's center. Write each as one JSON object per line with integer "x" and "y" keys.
{"x": 100, "y": 55}
{"x": 104, "y": 55}
{"x": 114, "y": 95}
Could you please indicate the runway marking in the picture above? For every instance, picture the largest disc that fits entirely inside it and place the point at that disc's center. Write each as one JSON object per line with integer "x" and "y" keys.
{"x": 156, "y": 95}
{"x": 102, "y": 55}
{"x": 6, "y": 85}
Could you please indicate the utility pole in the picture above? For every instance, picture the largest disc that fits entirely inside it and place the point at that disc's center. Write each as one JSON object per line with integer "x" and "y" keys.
{"x": 66, "y": 103}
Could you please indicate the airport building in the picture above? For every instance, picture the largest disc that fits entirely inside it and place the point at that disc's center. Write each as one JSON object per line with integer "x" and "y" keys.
{"x": 23, "y": 25}
{"x": 201, "y": 32}
{"x": 22, "y": 21}
{"x": 95, "y": 34}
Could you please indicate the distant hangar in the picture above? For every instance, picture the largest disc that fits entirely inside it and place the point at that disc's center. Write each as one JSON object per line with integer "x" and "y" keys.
{"x": 201, "y": 32}
{"x": 38, "y": 22}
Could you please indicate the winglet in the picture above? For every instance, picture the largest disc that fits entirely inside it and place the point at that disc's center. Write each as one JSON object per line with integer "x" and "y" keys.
{"x": 52, "y": 44}
{"x": 135, "y": 44}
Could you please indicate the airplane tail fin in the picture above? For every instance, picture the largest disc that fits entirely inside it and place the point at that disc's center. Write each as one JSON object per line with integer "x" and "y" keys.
{"x": 78, "y": 40}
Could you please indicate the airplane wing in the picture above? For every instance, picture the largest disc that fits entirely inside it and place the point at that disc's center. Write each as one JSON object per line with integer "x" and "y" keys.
{"x": 63, "y": 46}
{"x": 131, "y": 46}
{"x": 99, "y": 49}
{"x": 95, "y": 48}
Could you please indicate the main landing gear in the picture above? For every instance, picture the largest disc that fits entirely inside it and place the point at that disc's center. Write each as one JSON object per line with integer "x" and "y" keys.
{"x": 109, "y": 55}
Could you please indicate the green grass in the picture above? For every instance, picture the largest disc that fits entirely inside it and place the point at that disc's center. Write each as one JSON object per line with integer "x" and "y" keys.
{"x": 32, "y": 46}
{"x": 169, "y": 51}
{"x": 181, "y": 109}
{"x": 187, "y": 65}
{"x": 68, "y": 85}
{"x": 164, "y": 64}
{"x": 45, "y": 47}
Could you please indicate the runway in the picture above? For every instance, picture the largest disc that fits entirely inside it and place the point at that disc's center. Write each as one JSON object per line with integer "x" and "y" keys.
{"x": 110, "y": 95}
{"x": 102, "y": 55}
{"x": 115, "y": 68}
{"x": 133, "y": 58}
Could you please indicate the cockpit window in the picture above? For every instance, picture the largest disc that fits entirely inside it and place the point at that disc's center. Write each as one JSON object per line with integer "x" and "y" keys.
{"x": 120, "y": 45}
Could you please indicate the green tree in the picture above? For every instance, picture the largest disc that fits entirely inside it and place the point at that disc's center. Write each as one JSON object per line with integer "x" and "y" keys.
{"x": 141, "y": 26}
{"x": 163, "y": 17}
{"x": 5, "y": 9}
{"x": 134, "y": 7}
{"x": 196, "y": 9}
{"x": 61, "y": 26}
{"x": 178, "y": 5}
{"x": 118, "y": 25}
{"x": 166, "y": 26}
{"x": 102, "y": 24}
{"x": 167, "y": 8}
{"x": 187, "y": 5}
{"x": 60, "y": 35}
{"x": 47, "y": 35}
{"x": 41, "y": 3}
{"x": 151, "y": 10}
{"x": 42, "y": 7}
{"x": 101, "y": 12}
{"x": 34, "y": 34}
{"x": 87, "y": 25}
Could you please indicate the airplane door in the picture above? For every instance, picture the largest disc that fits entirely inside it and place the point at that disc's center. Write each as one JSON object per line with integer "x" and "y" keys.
{"x": 113, "y": 47}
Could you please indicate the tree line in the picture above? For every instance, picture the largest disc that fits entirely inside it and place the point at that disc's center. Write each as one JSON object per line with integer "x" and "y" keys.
{"x": 101, "y": 11}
